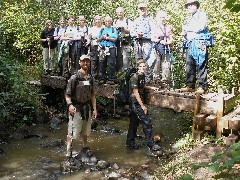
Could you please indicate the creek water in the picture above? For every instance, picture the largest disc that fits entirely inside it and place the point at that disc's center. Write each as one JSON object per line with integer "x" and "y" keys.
{"x": 25, "y": 158}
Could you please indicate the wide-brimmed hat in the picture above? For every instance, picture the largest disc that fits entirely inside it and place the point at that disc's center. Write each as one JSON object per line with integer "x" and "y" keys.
{"x": 192, "y": 2}
{"x": 85, "y": 57}
{"x": 141, "y": 5}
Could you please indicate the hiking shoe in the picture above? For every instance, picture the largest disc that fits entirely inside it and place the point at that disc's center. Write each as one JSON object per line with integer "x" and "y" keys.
{"x": 187, "y": 89}
{"x": 151, "y": 152}
{"x": 200, "y": 91}
{"x": 85, "y": 149}
{"x": 132, "y": 146}
{"x": 101, "y": 82}
{"x": 156, "y": 147}
{"x": 111, "y": 82}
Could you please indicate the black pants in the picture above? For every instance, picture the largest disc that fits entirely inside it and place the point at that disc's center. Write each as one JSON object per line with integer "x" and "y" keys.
{"x": 107, "y": 66}
{"x": 137, "y": 116}
{"x": 194, "y": 73}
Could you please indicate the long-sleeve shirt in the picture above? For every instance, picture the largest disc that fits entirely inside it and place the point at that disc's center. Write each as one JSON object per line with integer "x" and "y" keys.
{"x": 144, "y": 26}
{"x": 196, "y": 24}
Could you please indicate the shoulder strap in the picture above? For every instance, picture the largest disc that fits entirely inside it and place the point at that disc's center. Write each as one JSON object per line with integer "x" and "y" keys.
{"x": 112, "y": 29}
{"x": 127, "y": 21}
{"x": 101, "y": 31}
{"x": 58, "y": 29}
{"x": 114, "y": 22}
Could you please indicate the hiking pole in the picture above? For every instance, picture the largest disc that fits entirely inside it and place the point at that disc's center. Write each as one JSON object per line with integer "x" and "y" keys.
{"x": 49, "y": 54}
{"x": 71, "y": 146}
{"x": 114, "y": 104}
{"x": 171, "y": 66}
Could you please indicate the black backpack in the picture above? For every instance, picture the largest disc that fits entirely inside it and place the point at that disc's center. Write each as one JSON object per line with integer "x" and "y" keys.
{"x": 122, "y": 98}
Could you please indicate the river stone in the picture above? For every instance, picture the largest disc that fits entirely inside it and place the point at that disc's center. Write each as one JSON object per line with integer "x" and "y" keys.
{"x": 102, "y": 164}
{"x": 114, "y": 175}
{"x": 115, "y": 166}
{"x": 40, "y": 116}
{"x": 52, "y": 143}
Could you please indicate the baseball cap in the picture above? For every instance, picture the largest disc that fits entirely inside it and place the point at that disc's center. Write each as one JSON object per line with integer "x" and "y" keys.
{"x": 84, "y": 57}
{"x": 141, "y": 5}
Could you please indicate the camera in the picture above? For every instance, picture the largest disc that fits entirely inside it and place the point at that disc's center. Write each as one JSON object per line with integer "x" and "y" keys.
{"x": 119, "y": 28}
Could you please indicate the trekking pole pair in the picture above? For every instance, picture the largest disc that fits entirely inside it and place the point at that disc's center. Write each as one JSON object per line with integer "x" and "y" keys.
{"x": 171, "y": 61}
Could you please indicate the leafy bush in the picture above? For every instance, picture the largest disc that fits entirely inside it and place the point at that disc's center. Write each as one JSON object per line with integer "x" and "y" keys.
{"x": 223, "y": 163}
{"x": 17, "y": 99}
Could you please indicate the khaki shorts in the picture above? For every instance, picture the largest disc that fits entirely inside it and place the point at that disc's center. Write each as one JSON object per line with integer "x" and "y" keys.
{"x": 78, "y": 126}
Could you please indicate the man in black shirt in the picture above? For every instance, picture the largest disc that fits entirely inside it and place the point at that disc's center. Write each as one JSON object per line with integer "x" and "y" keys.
{"x": 139, "y": 112}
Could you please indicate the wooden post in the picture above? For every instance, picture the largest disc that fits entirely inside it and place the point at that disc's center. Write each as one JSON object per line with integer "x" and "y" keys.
{"x": 196, "y": 110}
{"x": 220, "y": 111}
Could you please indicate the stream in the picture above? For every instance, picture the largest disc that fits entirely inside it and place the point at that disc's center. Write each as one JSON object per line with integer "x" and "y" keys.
{"x": 31, "y": 159}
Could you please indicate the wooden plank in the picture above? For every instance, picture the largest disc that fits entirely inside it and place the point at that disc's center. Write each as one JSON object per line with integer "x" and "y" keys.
{"x": 196, "y": 110}
{"x": 219, "y": 113}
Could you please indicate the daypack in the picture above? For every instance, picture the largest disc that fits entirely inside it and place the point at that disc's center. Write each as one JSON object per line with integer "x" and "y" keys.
{"x": 123, "y": 95}
{"x": 83, "y": 93}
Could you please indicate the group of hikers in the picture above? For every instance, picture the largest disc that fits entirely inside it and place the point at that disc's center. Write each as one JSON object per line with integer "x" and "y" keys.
{"x": 100, "y": 52}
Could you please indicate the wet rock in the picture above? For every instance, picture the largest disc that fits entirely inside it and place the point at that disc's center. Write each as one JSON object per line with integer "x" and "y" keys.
{"x": 102, "y": 164}
{"x": 20, "y": 133}
{"x": 70, "y": 165}
{"x": 114, "y": 175}
{"x": 54, "y": 124}
{"x": 1, "y": 152}
{"x": 109, "y": 129}
{"x": 115, "y": 166}
{"x": 38, "y": 136}
{"x": 146, "y": 176}
{"x": 87, "y": 157}
{"x": 52, "y": 143}
{"x": 40, "y": 116}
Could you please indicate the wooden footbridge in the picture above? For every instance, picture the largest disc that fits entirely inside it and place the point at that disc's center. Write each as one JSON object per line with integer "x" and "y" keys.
{"x": 217, "y": 112}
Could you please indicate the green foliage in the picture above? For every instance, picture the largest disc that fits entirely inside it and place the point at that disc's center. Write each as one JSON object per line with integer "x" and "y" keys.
{"x": 22, "y": 23}
{"x": 222, "y": 163}
{"x": 186, "y": 177}
{"x": 232, "y": 5}
{"x": 17, "y": 99}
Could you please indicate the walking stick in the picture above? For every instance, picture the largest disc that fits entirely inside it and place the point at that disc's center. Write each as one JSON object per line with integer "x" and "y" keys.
{"x": 171, "y": 66}
{"x": 49, "y": 49}
{"x": 71, "y": 147}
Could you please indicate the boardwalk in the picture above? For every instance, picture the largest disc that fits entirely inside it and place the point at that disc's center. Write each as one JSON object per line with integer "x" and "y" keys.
{"x": 213, "y": 111}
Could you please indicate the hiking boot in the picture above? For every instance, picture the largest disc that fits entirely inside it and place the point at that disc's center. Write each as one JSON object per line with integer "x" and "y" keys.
{"x": 132, "y": 145}
{"x": 200, "y": 91}
{"x": 187, "y": 89}
{"x": 85, "y": 149}
{"x": 151, "y": 152}
{"x": 111, "y": 82}
{"x": 101, "y": 82}
{"x": 156, "y": 147}
{"x": 51, "y": 73}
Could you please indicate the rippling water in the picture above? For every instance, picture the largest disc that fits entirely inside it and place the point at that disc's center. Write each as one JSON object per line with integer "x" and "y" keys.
{"x": 22, "y": 156}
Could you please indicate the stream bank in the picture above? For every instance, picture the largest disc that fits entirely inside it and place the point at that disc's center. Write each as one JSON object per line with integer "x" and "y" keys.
{"x": 39, "y": 154}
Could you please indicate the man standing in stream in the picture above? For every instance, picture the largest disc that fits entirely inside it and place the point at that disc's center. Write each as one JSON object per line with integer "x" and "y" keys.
{"x": 81, "y": 102}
